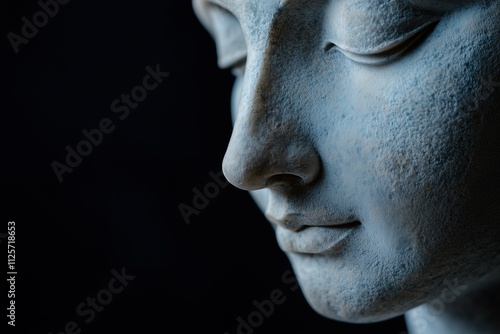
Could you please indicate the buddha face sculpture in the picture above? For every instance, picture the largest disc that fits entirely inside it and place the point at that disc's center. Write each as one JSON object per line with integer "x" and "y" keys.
{"x": 368, "y": 132}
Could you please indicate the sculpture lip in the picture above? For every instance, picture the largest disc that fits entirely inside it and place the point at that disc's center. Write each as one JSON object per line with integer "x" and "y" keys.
{"x": 316, "y": 239}
{"x": 297, "y": 222}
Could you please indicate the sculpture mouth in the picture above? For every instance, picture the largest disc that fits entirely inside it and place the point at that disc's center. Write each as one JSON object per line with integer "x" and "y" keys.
{"x": 314, "y": 239}
{"x": 335, "y": 226}
{"x": 297, "y": 222}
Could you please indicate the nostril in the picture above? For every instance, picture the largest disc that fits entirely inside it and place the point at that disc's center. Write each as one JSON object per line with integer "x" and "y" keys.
{"x": 289, "y": 180}
{"x": 254, "y": 162}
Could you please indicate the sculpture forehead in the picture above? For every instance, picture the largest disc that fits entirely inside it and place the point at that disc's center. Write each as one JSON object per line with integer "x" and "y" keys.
{"x": 246, "y": 6}
{"x": 252, "y": 5}
{"x": 261, "y": 20}
{"x": 248, "y": 12}
{"x": 256, "y": 15}
{"x": 241, "y": 3}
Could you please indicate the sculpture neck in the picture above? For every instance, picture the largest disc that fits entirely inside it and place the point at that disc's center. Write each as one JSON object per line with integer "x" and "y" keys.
{"x": 460, "y": 309}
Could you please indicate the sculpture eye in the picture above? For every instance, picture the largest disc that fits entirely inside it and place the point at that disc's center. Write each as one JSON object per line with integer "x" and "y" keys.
{"x": 229, "y": 39}
{"x": 388, "y": 51}
{"x": 376, "y": 32}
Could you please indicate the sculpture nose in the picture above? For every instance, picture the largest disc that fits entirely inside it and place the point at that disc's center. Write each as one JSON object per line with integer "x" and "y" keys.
{"x": 251, "y": 163}
{"x": 269, "y": 145}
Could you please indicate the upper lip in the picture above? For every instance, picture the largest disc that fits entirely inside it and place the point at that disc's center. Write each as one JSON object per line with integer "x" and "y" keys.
{"x": 298, "y": 221}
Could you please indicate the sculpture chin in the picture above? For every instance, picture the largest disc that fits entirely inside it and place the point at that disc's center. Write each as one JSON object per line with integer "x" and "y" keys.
{"x": 353, "y": 316}
{"x": 351, "y": 302}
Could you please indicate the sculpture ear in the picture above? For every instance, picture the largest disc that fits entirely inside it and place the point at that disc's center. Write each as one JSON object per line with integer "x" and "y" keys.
{"x": 225, "y": 30}
{"x": 200, "y": 10}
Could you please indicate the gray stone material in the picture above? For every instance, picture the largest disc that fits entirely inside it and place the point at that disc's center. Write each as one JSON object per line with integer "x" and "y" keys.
{"x": 367, "y": 131}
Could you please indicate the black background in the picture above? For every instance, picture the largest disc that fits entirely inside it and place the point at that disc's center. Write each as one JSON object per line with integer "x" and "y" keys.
{"x": 119, "y": 207}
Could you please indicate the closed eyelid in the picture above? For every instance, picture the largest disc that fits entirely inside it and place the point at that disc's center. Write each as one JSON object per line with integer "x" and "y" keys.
{"x": 388, "y": 45}
{"x": 392, "y": 51}
{"x": 373, "y": 26}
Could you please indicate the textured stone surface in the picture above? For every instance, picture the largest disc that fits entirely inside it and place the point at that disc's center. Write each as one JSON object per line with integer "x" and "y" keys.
{"x": 367, "y": 131}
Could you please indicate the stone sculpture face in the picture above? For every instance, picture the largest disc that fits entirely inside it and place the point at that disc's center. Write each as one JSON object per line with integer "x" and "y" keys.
{"x": 368, "y": 132}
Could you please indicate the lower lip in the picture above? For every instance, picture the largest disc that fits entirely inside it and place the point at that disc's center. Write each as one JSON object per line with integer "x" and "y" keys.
{"x": 314, "y": 239}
